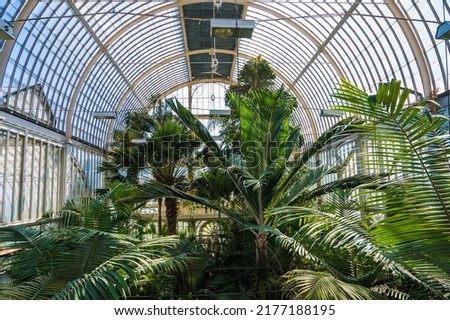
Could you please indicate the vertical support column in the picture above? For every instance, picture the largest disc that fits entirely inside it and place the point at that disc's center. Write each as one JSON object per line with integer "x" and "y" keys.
{"x": 363, "y": 145}
{"x": 190, "y": 97}
{"x": 160, "y": 216}
{"x": 41, "y": 182}
{"x": 34, "y": 175}
{"x": 14, "y": 184}
{"x": 5, "y": 180}
{"x": 22, "y": 176}
{"x": 47, "y": 178}
{"x": 317, "y": 163}
{"x": 65, "y": 177}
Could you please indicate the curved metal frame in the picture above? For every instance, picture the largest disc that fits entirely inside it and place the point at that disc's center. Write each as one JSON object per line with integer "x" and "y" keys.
{"x": 363, "y": 42}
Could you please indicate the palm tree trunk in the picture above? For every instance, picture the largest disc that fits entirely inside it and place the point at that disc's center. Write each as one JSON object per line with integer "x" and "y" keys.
{"x": 261, "y": 249}
{"x": 159, "y": 216}
{"x": 261, "y": 261}
{"x": 171, "y": 214}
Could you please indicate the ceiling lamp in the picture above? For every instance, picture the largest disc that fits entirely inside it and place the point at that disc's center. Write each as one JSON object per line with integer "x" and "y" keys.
{"x": 331, "y": 113}
{"x": 104, "y": 115}
{"x": 443, "y": 31}
{"x": 138, "y": 140}
{"x": 232, "y": 28}
{"x": 6, "y": 30}
{"x": 220, "y": 112}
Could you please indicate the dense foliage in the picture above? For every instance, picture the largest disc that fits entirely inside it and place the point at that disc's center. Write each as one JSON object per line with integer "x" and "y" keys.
{"x": 383, "y": 233}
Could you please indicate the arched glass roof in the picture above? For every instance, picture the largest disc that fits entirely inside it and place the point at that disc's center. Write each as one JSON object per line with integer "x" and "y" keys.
{"x": 80, "y": 57}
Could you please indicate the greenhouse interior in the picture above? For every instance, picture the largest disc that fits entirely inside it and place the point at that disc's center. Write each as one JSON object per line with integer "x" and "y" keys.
{"x": 246, "y": 149}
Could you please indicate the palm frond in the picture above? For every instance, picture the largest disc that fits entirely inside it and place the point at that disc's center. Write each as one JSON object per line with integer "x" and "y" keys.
{"x": 390, "y": 293}
{"x": 84, "y": 249}
{"x": 313, "y": 285}
{"x": 350, "y": 232}
{"x": 112, "y": 278}
{"x": 105, "y": 212}
{"x": 199, "y": 129}
{"x": 349, "y": 183}
{"x": 214, "y": 184}
{"x": 409, "y": 144}
{"x": 340, "y": 132}
{"x": 37, "y": 288}
{"x": 33, "y": 247}
{"x": 154, "y": 190}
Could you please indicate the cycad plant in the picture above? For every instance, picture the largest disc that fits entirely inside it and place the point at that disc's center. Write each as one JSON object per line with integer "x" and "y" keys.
{"x": 266, "y": 172}
{"x": 402, "y": 228}
{"x": 90, "y": 256}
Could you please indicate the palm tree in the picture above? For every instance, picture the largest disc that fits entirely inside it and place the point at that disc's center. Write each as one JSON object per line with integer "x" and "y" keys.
{"x": 256, "y": 74}
{"x": 167, "y": 149}
{"x": 402, "y": 228}
{"x": 125, "y": 159}
{"x": 265, "y": 171}
{"x": 89, "y": 257}
{"x": 166, "y": 153}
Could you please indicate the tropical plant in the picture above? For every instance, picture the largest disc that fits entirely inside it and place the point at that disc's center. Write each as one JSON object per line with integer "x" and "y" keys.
{"x": 327, "y": 269}
{"x": 315, "y": 285}
{"x": 256, "y": 74}
{"x": 214, "y": 184}
{"x": 265, "y": 172}
{"x": 402, "y": 228}
{"x": 126, "y": 159}
{"x": 177, "y": 283}
{"x": 90, "y": 256}
{"x": 231, "y": 274}
{"x": 165, "y": 155}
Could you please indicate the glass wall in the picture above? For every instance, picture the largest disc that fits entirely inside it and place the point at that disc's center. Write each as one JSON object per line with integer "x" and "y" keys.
{"x": 83, "y": 178}
{"x": 30, "y": 177}
{"x": 38, "y": 174}
{"x": 200, "y": 99}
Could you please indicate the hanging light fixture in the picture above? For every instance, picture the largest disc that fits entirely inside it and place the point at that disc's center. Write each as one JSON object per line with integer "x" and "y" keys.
{"x": 443, "y": 31}
{"x": 6, "y": 30}
{"x": 104, "y": 115}
{"x": 214, "y": 63}
{"x": 232, "y": 28}
{"x": 331, "y": 113}
{"x": 220, "y": 112}
{"x": 138, "y": 141}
